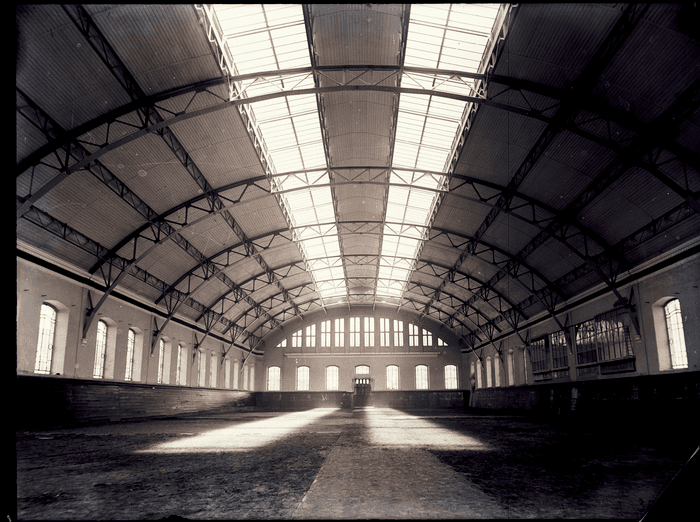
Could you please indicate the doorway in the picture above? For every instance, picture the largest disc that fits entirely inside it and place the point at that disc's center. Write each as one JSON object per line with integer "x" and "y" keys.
{"x": 363, "y": 392}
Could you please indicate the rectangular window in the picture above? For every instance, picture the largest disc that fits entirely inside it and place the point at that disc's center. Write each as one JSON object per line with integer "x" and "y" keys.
{"x": 227, "y": 373}
{"x": 245, "y": 377}
{"x": 450, "y": 377}
{"x": 236, "y": 372}
{"x": 421, "y": 377}
{"x": 332, "y": 376}
{"x": 354, "y": 331}
{"x": 613, "y": 336}
{"x": 47, "y": 328}
{"x": 303, "y": 378}
{"x": 213, "y": 371}
{"x": 539, "y": 355}
{"x": 297, "y": 339}
{"x": 488, "y": 372}
{"x": 392, "y": 377}
{"x": 326, "y": 334}
{"x": 398, "y": 333}
{"x": 412, "y": 335}
{"x": 427, "y": 338}
{"x": 369, "y": 331}
{"x": 560, "y": 351}
{"x": 497, "y": 371}
{"x": 339, "y": 332}
{"x": 384, "y": 332}
{"x": 311, "y": 336}
{"x": 202, "y": 368}
{"x": 100, "y": 350}
{"x": 586, "y": 351}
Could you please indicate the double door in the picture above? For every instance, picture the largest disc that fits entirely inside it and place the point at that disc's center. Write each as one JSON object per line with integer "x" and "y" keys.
{"x": 363, "y": 391}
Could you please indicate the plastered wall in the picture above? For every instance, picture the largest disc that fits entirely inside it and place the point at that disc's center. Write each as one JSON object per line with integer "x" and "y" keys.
{"x": 74, "y": 357}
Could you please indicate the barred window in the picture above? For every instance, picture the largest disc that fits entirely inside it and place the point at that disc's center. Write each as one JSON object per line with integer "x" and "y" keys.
{"x": 362, "y": 370}
{"x": 273, "y": 378}
{"x": 613, "y": 336}
{"x": 398, "y": 333}
{"x": 339, "y": 332}
{"x": 130, "y": 344}
{"x": 47, "y": 332}
{"x": 384, "y": 332}
{"x": 450, "y": 377}
{"x": 421, "y": 377}
{"x": 392, "y": 377}
{"x": 354, "y": 331}
{"x": 100, "y": 350}
{"x": 676, "y": 337}
{"x": 412, "y": 335}
{"x": 161, "y": 360}
{"x": 326, "y": 333}
{"x": 369, "y": 331}
{"x": 586, "y": 350}
{"x": 539, "y": 355}
{"x": 560, "y": 353}
{"x": 303, "y": 378}
{"x": 311, "y": 336}
{"x": 427, "y": 338}
{"x": 332, "y": 376}
{"x": 297, "y": 339}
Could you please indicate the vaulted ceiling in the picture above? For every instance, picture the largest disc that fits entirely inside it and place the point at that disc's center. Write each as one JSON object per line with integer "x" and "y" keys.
{"x": 240, "y": 166}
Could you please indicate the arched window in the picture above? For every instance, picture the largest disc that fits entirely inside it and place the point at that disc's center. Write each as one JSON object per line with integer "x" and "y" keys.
{"x": 362, "y": 370}
{"x": 478, "y": 375}
{"x": 303, "y": 378}
{"x": 130, "y": 345}
{"x": 273, "y": 378}
{"x": 421, "y": 377}
{"x": 392, "y": 377}
{"x": 161, "y": 359}
{"x": 213, "y": 371}
{"x": 497, "y": 371}
{"x": 676, "y": 337}
{"x": 236, "y": 372}
{"x": 252, "y": 377}
{"x": 510, "y": 361}
{"x": 47, "y": 332}
{"x": 245, "y": 377}
{"x": 331, "y": 378}
{"x": 100, "y": 350}
{"x": 450, "y": 377}
{"x": 488, "y": 372}
{"x": 202, "y": 368}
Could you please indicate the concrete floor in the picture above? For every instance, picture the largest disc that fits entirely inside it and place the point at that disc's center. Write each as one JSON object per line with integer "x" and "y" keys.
{"x": 362, "y": 463}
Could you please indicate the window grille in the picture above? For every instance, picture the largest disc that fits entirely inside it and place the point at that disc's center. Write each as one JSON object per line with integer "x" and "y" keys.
{"x": 613, "y": 336}
{"x": 339, "y": 332}
{"x": 354, "y": 331}
{"x": 676, "y": 337}
{"x": 326, "y": 334}
{"x": 100, "y": 350}
{"x": 273, "y": 378}
{"x": 369, "y": 331}
{"x": 303, "y": 378}
{"x": 450, "y": 377}
{"x": 392, "y": 377}
{"x": 130, "y": 343}
{"x": 539, "y": 355}
{"x": 398, "y": 333}
{"x": 47, "y": 331}
{"x": 332, "y": 377}
{"x": 297, "y": 339}
{"x": 311, "y": 336}
{"x": 362, "y": 370}
{"x": 586, "y": 350}
{"x": 427, "y": 338}
{"x": 161, "y": 360}
{"x": 421, "y": 377}
{"x": 560, "y": 351}
{"x": 384, "y": 332}
{"x": 412, "y": 335}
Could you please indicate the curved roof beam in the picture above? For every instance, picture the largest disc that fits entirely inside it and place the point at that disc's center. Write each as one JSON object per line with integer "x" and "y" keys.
{"x": 67, "y": 141}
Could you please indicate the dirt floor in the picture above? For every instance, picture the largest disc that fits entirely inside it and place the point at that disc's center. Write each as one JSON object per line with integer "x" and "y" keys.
{"x": 227, "y": 465}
